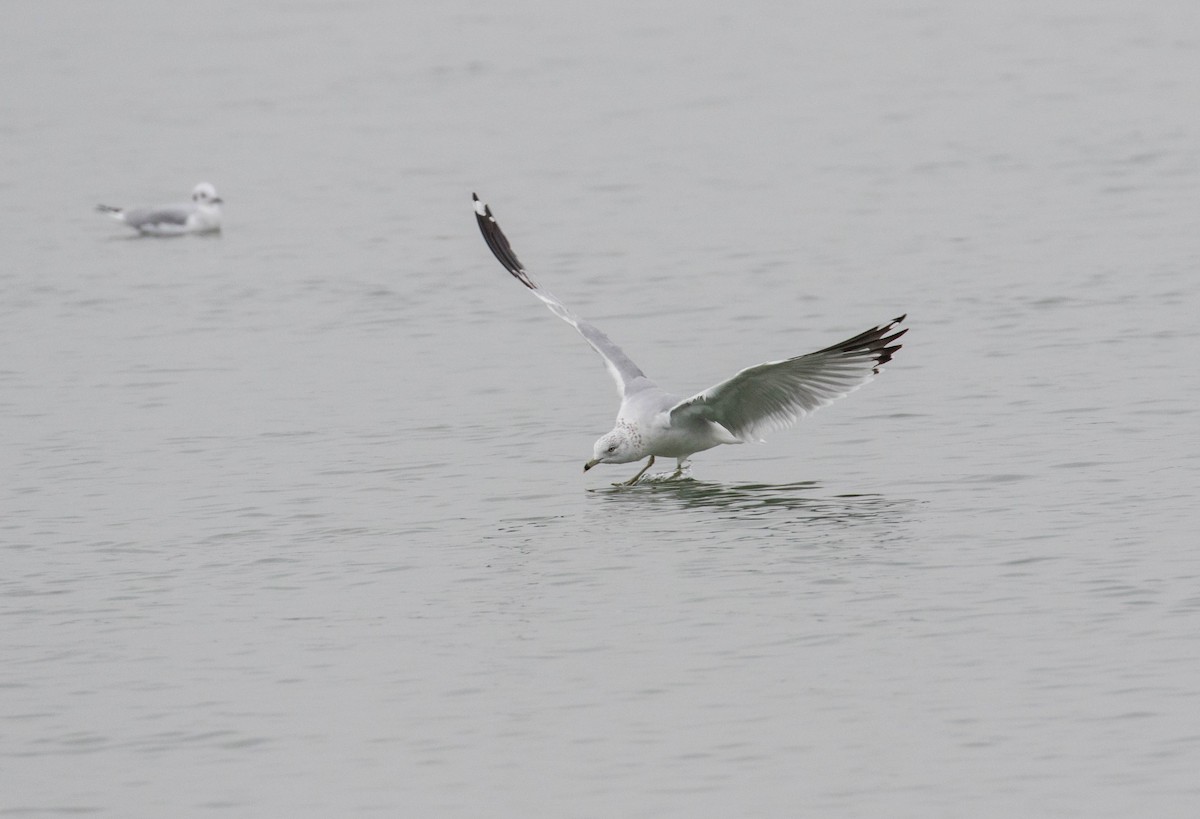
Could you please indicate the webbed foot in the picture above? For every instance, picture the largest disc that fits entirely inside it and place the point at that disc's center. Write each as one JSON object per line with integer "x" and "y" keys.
{"x": 639, "y": 475}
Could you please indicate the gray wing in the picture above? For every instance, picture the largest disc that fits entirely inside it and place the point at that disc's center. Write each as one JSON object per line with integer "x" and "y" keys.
{"x": 619, "y": 365}
{"x": 779, "y": 393}
{"x": 168, "y": 215}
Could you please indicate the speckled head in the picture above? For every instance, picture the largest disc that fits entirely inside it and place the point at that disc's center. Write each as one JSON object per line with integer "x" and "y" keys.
{"x": 620, "y": 446}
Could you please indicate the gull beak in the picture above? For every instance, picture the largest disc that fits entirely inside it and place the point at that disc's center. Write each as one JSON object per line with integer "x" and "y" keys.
{"x": 216, "y": 200}
{"x": 590, "y": 464}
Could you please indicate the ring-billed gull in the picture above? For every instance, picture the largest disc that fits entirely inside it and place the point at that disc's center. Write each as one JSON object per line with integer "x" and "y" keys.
{"x": 201, "y": 215}
{"x": 653, "y": 422}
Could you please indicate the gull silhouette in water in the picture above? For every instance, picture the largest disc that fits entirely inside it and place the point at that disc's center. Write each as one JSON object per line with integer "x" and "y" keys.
{"x": 652, "y": 422}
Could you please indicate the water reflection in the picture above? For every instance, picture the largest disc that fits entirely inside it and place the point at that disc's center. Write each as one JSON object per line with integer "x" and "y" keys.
{"x": 802, "y": 499}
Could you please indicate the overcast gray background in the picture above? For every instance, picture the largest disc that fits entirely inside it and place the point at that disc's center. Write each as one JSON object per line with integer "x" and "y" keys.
{"x": 293, "y": 522}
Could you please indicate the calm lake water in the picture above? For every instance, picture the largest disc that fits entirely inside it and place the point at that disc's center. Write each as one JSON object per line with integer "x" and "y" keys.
{"x": 292, "y": 519}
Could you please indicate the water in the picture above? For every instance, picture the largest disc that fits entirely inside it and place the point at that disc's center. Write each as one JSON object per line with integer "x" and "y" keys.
{"x": 293, "y": 518}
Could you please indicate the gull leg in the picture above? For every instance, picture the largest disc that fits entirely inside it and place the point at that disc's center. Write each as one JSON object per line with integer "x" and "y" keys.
{"x": 636, "y": 477}
{"x": 680, "y": 465}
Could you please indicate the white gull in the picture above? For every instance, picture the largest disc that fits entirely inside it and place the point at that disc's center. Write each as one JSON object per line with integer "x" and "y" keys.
{"x": 201, "y": 215}
{"x": 653, "y": 422}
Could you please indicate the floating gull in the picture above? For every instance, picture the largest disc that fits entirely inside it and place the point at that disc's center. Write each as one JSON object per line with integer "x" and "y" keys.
{"x": 653, "y": 422}
{"x": 201, "y": 215}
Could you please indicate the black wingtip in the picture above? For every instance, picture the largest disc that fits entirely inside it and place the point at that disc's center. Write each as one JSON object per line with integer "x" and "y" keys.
{"x": 481, "y": 209}
{"x": 877, "y": 342}
{"x": 498, "y": 243}
{"x": 886, "y": 349}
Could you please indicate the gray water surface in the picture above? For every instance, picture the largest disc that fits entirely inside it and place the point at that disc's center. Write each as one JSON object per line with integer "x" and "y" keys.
{"x": 293, "y": 518}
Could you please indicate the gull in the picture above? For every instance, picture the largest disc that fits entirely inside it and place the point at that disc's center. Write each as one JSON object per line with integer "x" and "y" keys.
{"x": 652, "y": 422}
{"x": 201, "y": 215}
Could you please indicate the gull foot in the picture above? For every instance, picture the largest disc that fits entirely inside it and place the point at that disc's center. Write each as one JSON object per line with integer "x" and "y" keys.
{"x": 639, "y": 475}
{"x": 682, "y": 468}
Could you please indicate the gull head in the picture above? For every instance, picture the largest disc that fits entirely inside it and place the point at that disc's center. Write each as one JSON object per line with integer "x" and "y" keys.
{"x": 617, "y": 447}
{"x": 205, "y": 194}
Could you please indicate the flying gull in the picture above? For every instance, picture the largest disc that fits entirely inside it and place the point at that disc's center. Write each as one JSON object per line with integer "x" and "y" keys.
{"x": 653, "y": 422}
{"x": 201, "y": 215}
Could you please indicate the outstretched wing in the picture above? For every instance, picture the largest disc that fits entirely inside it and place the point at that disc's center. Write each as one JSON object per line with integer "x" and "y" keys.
{"x": 619, "y": 365}
{"x": 779, "y": 393}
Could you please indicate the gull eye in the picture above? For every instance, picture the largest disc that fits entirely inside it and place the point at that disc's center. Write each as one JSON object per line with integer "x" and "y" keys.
{"x": 612, "y": 448}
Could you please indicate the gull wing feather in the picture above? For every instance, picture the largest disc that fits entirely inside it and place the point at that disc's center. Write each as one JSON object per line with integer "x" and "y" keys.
{"x": 619, "y": 365}
{"x": 777, "y": 394}
{"x": 166, "y": 216}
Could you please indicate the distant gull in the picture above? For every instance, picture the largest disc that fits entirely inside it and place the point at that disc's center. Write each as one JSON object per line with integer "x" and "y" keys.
{"x": 759, "y": 399}
{"x": 201, "y": 215}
